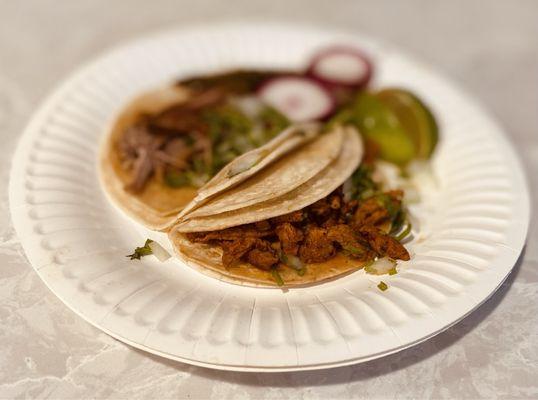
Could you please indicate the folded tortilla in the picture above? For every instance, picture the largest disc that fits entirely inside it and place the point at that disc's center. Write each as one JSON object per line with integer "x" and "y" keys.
{"x": 277, "y": 179}
{"x": 246, "y": 165}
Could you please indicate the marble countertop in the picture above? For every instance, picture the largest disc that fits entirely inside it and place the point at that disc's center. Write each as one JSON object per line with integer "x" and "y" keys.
{"x": 490, "y": 48}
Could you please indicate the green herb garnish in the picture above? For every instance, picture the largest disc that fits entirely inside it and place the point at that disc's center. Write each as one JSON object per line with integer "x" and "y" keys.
{"x": 272, "y": 122}
{"x": 226, "y": 121}
{"x": 393, "y": 271}
{"x": 403, "y": 234}
{"x": 398, "y": 222}
{"x": 276, "y": 276}
{"x": 353, "y": 251}
{"x": 388, "y": 203}
{"x": 176, "y": 179}
{"x": 141, "y": 251}
{"x": 382, "y": 286}
{"x": 228, "y": 129}
{"x": 366, "y": 266}
{"x": 362, "y": 184}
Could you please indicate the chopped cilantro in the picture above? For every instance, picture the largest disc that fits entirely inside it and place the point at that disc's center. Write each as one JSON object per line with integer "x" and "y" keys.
{"x": 404, "y": 233}
{"x": 176, "y": 179}
{"x": 141, "y": 251}
{"x": 272, "y": 121}
{"x": 353, "y": 251}
{"x": 277, "y": 277}
{"x": 363, "y": 185}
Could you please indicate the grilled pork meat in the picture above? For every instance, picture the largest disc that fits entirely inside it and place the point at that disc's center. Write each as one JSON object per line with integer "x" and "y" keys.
{"x": 314, "y": 234}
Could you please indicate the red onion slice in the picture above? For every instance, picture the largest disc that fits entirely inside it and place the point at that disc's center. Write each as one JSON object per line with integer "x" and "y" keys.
{"x": 298, "y": 98}
{"x": 341, "y": 66}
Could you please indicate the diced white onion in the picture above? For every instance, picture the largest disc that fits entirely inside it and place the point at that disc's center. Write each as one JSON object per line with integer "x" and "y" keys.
{"x": 388, "y": 175}
{"x": 158, "y": 251}
{"x": 381, "y": 266}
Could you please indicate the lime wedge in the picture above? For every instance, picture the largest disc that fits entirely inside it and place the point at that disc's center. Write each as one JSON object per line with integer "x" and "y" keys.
{"x": 377, "y": 122}
{"x": 415, "y": 117}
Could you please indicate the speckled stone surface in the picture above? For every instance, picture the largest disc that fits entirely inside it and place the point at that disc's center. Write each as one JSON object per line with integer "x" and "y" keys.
{"x": 490, "y": 48}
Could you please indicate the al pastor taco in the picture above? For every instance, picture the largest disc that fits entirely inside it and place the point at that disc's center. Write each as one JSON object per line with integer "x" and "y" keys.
{"x": 311, "y": 233}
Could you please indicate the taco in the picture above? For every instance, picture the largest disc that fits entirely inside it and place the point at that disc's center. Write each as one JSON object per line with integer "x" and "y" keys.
{"x": 169, "y": 142}
{"x": 265, "y": 231}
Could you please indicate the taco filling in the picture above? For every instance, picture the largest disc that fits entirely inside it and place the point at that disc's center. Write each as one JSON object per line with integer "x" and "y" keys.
{"x": 188, "y": 142}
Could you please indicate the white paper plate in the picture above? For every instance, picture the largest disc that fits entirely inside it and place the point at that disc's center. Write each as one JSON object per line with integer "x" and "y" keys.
{"x": 76, "y": 240}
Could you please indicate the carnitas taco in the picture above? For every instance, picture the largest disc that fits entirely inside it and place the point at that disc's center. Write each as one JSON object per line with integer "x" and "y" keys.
{"x": 168, "y": 143}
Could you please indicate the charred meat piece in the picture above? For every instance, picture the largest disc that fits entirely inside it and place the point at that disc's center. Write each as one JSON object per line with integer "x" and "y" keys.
{"x": 370, "y": 212}
{"x": 343, "y": 235}
{"x": 335, "y": 201}
{"x": 383, "y": 244}
{"x": 233, "y": 251}
{"x": 348, "y": 209}
{"x": 262, "y": 256}
{"x": 317, "y": 247}
{"x": 262, "y": 225}
{"x": 293, "y": 217}
{"x": 331, "y": 221}
{"x": 289, "y": 237}
{"x": 321, "y": 208}
{"x": 326, "y": 211}
{"x": 347, "y": 239}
